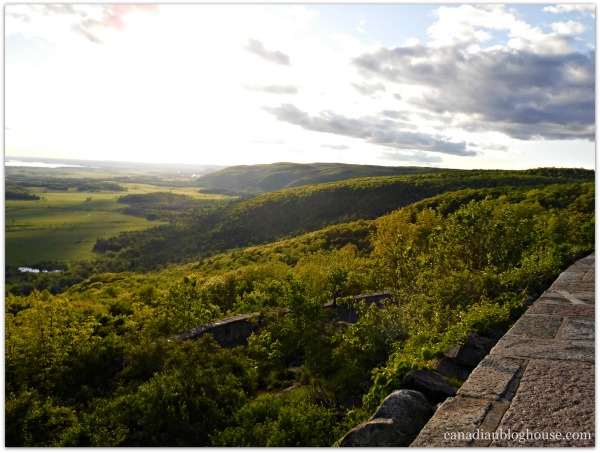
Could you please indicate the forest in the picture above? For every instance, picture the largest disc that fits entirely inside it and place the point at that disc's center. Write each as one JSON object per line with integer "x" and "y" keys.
{"x": 91, "y": 354}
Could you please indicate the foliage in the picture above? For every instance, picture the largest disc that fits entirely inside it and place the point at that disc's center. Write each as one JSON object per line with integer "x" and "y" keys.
{"x": 17, "y": 193}
{"x": 33, "y": 420}
{"x": 53, "y": 348}
{"x": 183, "y": 308}
{"x": 165, "y": 206}
{"x": 197, "y": 390}
{"x": 290, "y": 420}
{"x": 90, "y": 354}
{"x": 470, "y": 270}
{"x": 290, "y": 212}
{"x": 254, "y": 179}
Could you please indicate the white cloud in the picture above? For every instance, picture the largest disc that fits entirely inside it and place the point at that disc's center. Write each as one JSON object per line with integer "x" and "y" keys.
{"x": 530, "y": 87}
{"x": 190, "y": 82}
{"x": 568, "y": 28}
{"x": 60, "y": 21}
{"x": 374, "y": 129}
{"x": 274, "y": 56}
{"x": 470, "y": 27}
{"x": 587, "y": 9}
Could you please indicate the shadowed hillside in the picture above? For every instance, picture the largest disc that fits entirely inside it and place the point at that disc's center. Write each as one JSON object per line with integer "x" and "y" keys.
{"x": 253, "y": 179}
{"x": 290, "y": 212}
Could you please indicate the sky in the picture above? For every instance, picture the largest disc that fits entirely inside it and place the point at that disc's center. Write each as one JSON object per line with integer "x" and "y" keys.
{"x": 443, "y": 85}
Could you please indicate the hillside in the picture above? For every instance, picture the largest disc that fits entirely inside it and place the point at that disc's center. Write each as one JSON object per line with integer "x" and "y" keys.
{"x": 290, "y": 212}
{"x": 92, "y": 357}
{"x": 254, "y": 179}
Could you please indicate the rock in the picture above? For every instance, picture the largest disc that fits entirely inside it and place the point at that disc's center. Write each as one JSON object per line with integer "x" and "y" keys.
{"x": 376, "y": 433}
{"x": 465, "y": 356}
{"x": 494, "y": 334}
{"x": 408, "y": 409}
{"x": 430, "y": 384}
{"x": 472, "y": 352}
{"x": 482, "y": 344}
{"x": 396, "y": 423}
{"x": 449, "y": 368}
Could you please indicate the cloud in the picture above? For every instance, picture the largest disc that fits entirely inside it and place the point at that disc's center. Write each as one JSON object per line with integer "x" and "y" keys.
{"x": 361, "y": 26}
{"x": 414, "y": 157}
{"x": 112, "y": 17}
{"x": 88, "y": 21}
{"x": 83, "y": 29}
{"x": 521, "y": 94}
{"x": 586, "y": 9}
{"x": 493, "y": 147}
{"x": 336, "y": 147}
{"x": 369, "y": 89}
{"x": 58, "y": 9}
{"x": 525, "y": 89}
{"x": 568, "y": 28}
{"x": 380, "y": 131}
{"x": 274, "y": 56}
{"x": 395, "y": 114}
{"x": 273, "y": 89}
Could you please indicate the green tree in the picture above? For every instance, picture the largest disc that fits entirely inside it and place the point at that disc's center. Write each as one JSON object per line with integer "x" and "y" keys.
{"x": 292, "y": 420}
{"x": 183, "y": 308}
{"x": 196, "y": 391}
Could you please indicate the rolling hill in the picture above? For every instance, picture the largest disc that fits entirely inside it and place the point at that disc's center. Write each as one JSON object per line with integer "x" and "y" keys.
{"x": 254, "y": 179}
{"x": 291, "y": 212}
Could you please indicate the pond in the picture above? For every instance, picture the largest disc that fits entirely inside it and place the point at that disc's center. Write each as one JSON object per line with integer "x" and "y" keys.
{"x": 35, "y": 271}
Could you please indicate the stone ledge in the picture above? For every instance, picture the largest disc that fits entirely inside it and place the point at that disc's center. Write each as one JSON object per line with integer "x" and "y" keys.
{"x": 561, "y": 310}
{"x": 538, "y": 381}
{"x": 536, "y": 326}
{"x": 578, "y": 329}
{"x": 456, "y": 415}
{"x": 533, "y": 348}
{"x": 492, "y": 378}
{"x": 567, "y": 404}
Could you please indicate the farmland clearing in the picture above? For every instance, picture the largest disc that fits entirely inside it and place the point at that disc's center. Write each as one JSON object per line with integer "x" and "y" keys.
{"x": 63, "y": 225}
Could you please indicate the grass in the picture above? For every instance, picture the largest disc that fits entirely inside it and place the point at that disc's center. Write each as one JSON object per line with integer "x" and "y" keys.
{"x": 63, "y": 226}
{"x": 141, "y": 188}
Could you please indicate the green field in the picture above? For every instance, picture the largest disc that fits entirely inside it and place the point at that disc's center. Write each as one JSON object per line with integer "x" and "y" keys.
{"x": 63, "y": 226}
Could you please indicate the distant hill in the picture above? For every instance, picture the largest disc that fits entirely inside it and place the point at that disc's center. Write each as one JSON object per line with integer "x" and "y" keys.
{"x": 71, "y": 165}
{"x": 291, "y": 212}
{"x": 255, "y": 179}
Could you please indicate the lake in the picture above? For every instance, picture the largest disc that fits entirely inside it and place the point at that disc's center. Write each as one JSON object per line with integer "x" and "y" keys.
{"x": 20, "y": 163}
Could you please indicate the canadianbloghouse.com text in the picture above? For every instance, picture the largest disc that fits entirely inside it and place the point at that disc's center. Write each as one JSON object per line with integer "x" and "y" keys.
{"x": 519, "y": 436}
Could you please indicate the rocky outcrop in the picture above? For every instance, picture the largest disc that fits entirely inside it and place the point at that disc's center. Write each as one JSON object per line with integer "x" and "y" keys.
{"x": 472, "y": 351}
{"x": 228, "y": 332}
{"x": 449, "y": 368}
{"x": 235, "y": 330}
{"x": 461, "y": 360}
{"x": 430, "y": 384}
{"x": 392, "y": 424}
{"x": 396, "y": 422}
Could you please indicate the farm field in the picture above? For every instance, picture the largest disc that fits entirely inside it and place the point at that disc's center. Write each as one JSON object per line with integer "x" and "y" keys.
{"x": 63, "y": 225}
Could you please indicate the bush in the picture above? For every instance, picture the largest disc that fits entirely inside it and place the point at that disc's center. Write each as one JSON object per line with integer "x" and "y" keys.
{"x": 290, "y": 420}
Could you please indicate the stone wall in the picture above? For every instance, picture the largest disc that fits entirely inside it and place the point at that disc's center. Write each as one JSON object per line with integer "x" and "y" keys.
{"x": 228, "y": 332}
{"x": 236, "y": 330}
{"x": 536, "y": 388}
{"x": 532, "y": 387}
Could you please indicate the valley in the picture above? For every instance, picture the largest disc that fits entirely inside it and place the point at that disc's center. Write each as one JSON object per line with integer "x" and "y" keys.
{"x": 149, "y": 253}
